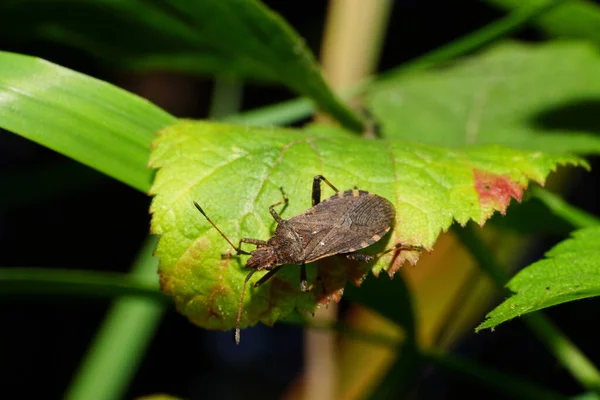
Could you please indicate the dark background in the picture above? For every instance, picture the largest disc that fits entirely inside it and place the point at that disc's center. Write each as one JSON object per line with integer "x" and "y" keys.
{"x": 93, "y": 222}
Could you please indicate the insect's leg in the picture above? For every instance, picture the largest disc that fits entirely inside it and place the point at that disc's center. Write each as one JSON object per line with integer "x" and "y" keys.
{"x": 319, "y": 280}
{"x": 316, "y": 189}
{"x": 256, "y": 242}
{"x": 272, "y": 209}
{"x": 360, "y": 257}
{"x": 370, "y": 257}
{"x": 268, "y": 275}
{"x": 239, "y": 316}
{"x": 237, "y": 249}
{"x": 303, "y": 284}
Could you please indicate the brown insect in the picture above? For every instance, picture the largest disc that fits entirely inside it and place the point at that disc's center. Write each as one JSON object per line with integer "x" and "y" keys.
{"x": 342, "y": 224}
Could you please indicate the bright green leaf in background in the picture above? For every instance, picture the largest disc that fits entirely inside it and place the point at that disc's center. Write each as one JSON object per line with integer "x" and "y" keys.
{"x": 521, "y": 96}
{"x": 239, "y": 38}
{"x": 571, "y": 271}
{"x": 236, "y": 179}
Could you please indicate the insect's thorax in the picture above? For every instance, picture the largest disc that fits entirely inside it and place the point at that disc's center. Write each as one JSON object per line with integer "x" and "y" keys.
{"x": 287, "y": 244}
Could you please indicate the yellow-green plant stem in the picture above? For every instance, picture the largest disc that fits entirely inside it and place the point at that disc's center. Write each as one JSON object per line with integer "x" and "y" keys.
{"x": 569, "y": 355}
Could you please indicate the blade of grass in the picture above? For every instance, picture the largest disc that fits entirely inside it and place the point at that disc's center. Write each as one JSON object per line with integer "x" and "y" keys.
{"x": 89, "y": 120}
{"x": 566, "y": 352}
{"x": 121, "y": 341}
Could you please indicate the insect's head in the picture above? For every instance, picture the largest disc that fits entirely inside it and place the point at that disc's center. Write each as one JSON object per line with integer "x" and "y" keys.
{"x": 262, "y": 257}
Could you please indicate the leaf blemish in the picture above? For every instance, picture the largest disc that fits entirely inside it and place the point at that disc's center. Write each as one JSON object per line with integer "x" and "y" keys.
{"x": 496, "y": 190}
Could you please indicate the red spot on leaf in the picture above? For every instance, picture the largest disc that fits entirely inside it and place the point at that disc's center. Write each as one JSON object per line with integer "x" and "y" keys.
{"x": 495, "y": 192}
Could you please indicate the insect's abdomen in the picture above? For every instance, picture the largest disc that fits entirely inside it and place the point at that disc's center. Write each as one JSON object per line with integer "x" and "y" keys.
{"x": 345, "y": 222}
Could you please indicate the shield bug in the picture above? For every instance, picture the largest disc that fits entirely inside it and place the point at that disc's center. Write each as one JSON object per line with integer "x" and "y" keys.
{"x": 341, "y": 224}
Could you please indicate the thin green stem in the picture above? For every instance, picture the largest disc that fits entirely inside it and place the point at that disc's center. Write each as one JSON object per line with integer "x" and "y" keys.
{"x": 504, "y": 383}
{"x": 121, "y": 341}
{"x": 226, "y": 98}
{"x": 299, "y": 108}
{"x": 561, "y": 208}
{"x": 566, "y": 352}
{"x": 44, "y": 282}
{"x": 277, "y": 114}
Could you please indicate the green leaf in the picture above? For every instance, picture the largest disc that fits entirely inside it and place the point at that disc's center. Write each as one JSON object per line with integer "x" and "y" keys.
{"x": 571, "y": 271}
{"x": 236, "y": 179}
{"x": 577, "y": 19}
{"x": 91, "y": 121}
{"x": 241, "y": 38}
{"x": 521, "y": 96}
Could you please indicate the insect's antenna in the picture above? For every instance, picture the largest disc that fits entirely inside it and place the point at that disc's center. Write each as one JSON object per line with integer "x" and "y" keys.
{"x": 239, "y": 317}
{"x": 218, "y": 230}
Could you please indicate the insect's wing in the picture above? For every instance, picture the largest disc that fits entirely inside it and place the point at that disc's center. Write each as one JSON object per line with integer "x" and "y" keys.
{"x": 346, "y": 222}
